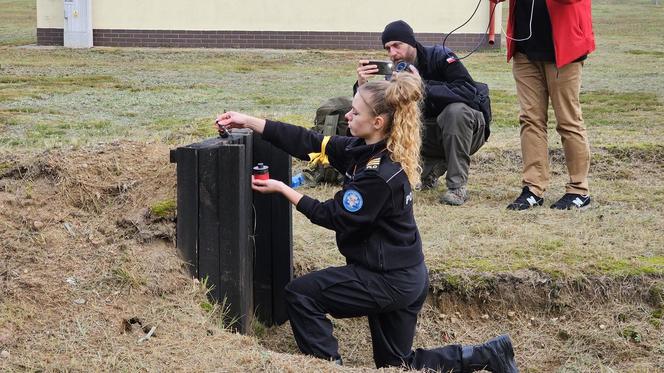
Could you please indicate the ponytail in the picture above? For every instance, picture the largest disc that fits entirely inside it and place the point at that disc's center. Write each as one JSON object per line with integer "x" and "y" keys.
{"x": 404, "y": 140}
{"x": 399, "y": 100}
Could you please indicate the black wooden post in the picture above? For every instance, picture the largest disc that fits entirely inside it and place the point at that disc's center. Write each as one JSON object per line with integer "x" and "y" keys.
{"x": 236, "y": 252}
{"x": 187, "y": 205}
{"x": 238, "y": 241}
{"x": 273, "y": 236}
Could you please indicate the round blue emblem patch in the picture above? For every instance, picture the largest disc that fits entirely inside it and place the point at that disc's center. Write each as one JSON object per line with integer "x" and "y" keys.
{"x": 352, "y": 200}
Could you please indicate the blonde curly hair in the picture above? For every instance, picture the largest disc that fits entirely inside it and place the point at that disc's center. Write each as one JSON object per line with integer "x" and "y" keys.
{"x": 399, "y": 101}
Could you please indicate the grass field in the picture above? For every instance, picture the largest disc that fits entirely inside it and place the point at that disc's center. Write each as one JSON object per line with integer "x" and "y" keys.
{"x": 84, "y": 136}
{"x": 18, "y": 19}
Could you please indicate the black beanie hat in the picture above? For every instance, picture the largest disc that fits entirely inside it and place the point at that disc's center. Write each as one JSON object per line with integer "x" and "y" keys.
{"x": 398, "y": 31}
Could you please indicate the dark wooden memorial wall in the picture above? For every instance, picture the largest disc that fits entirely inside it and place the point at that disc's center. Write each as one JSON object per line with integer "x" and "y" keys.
{"x": 237, "y": 240}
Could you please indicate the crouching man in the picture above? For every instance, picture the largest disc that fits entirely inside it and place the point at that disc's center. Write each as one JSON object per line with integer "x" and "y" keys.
{"x": 456, "y": 110}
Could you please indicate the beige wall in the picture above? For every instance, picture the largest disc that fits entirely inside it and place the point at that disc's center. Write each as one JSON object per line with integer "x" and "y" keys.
{"x": 270, "y": 15}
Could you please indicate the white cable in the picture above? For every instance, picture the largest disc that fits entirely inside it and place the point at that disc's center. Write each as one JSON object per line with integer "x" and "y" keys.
{"x": 532, "y": 10}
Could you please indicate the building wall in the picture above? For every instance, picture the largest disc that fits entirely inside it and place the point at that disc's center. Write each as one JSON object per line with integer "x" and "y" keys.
{"x": 266, "y": 23}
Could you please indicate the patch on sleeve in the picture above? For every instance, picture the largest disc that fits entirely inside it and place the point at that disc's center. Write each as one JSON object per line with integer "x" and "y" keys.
{"x": 352, "y": 200}
{"x": 373, "y": 164}
{"x": 451, "y": 60}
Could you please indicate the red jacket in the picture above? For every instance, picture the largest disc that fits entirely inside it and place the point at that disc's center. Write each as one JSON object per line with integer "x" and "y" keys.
{"x": 571, "y": 25}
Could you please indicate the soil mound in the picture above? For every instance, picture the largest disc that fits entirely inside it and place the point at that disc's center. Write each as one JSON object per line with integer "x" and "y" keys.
{"x": 89, "y": 276}
{"x": 90, "y": 279}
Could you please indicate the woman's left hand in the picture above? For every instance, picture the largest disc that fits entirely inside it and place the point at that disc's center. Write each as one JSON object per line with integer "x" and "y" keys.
{"x": 267, "y": 186}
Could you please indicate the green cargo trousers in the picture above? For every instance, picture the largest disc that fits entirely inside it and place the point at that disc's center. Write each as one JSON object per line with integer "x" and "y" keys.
{"x": 449, "y": 140}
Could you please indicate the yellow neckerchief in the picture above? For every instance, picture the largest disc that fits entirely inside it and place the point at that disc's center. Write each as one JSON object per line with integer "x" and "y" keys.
{"x": 320, "y": 158}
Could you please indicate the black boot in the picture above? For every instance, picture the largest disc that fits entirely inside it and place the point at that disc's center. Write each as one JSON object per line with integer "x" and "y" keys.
{"x": 432, "y": 169}
{"x": 496, "y": 355}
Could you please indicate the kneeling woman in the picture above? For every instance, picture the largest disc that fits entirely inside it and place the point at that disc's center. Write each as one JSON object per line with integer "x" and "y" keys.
{"x": 385, "y": 278}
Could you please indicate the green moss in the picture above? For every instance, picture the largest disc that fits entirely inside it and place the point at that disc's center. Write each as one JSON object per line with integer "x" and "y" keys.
{"x": 163, "y": 209}
{"x": 634, "y": 267}
{"x": 452, "y": 281}
{"x": 207, "y": 306}
{"x": 555, "y": 274}
{"x": 654, "y": 265}
{"x": 630, "y": 333}
{"x": 465, "y": 284}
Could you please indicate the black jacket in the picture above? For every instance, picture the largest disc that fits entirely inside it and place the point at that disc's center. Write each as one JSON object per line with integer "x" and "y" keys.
{"x": 372, "y": 214}
{"x": 447, "y": 81}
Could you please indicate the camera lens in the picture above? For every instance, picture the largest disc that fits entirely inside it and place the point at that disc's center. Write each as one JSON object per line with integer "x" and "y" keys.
{"x": 401, "y": 66}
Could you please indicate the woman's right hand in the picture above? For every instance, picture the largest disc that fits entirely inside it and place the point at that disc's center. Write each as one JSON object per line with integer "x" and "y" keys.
{"x": 232, "y": 119}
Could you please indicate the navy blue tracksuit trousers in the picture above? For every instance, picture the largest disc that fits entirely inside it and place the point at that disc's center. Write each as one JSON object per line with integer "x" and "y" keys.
{"x": 391, "y": 301}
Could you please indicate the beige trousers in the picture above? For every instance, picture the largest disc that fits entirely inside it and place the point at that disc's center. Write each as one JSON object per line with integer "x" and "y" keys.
{"x": 536, "y": 82}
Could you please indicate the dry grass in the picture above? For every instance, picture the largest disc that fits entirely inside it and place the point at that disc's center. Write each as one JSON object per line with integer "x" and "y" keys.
{"x": 80, "y": 286}
{"x": 84, "y": 259}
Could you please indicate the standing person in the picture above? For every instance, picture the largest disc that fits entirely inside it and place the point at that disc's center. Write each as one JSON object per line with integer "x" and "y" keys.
{"x": 549, "y": 40}
{"x": 456, "y": 115}
{"x": 385, "y": 277}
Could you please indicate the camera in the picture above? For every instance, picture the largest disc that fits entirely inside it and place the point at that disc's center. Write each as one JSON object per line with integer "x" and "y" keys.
{"x": 402, "y": 66}
{"x": 384, "y": 67}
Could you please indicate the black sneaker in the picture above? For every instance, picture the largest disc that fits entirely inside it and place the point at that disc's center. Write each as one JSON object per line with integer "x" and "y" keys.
{"x": 525, "y": 201}
{"x": 572, "y": 201}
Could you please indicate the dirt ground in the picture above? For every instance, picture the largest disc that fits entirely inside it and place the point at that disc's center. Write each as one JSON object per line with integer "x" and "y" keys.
{"x": 90, "y": 279}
